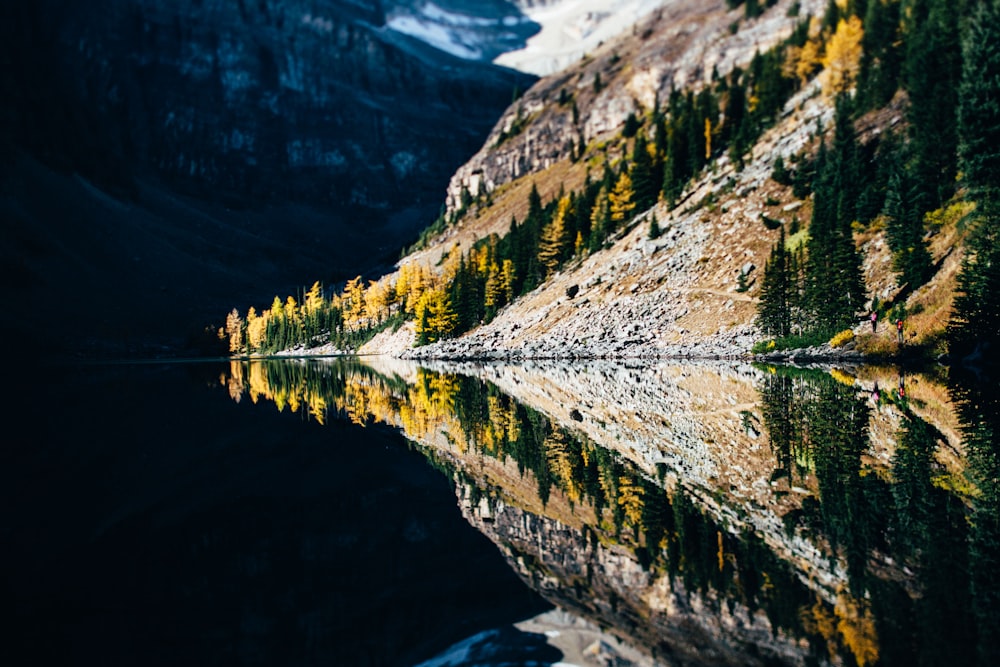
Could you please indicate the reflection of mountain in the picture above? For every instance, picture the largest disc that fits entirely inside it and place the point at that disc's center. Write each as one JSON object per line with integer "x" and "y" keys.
{"x": 704, "y": 512}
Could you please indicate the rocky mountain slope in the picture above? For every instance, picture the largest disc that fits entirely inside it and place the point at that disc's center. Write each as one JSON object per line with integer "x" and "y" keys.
{"x": 693, "y": 289}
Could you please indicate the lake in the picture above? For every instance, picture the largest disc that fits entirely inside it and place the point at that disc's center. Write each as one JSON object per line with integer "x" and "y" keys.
{"x": 370, "y": 511}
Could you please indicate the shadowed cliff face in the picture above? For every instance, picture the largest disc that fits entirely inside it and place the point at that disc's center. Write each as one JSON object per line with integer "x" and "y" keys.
{"x": 202, "y": 155}
{"x": 251, "y": 101}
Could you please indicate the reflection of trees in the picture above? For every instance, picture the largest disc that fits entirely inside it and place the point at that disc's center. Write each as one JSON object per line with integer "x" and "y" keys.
{"x": 836, "y": 428}
{"x": 668, "y": 531}
{"x": 921, "y": 564}
{"x": 979, "y": 410}
{"x": 921, "y": 559}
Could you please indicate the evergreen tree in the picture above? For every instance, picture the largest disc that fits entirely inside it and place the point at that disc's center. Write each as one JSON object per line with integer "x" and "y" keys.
{"x": 835, "y": 283}
{"x": 979, "y": 105}
{"x": 932, "y": 71}
{"x": 878, "y": 76}
{"x": 773, "y": 312}
{"x": 644, "y": 187}
{"x": 976, "y": 319}
{"x": 905, "y": 231}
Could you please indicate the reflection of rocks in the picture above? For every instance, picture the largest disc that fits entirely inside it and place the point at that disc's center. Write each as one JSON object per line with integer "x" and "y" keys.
{"x": 668, "y": 501}
{"x": 608, "y": 585}
{"x": 695, "y": 420}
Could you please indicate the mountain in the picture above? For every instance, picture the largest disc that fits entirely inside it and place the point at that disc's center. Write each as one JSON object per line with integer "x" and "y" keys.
{"x": 211, "y": 152}
{"x": 745, "y": 124}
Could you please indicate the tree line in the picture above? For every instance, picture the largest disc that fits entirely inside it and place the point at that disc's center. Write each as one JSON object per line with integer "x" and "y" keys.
{"x": 664, "y": 149}
{"x": 943, "y": 57}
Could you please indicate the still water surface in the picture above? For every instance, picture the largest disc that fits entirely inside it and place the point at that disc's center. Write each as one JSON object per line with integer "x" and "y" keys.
{"x": 374, "y": 512}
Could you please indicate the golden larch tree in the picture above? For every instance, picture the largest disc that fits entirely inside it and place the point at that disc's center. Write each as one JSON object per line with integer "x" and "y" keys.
{"x": 842, "y": 60}
{"x": 621, "y": 199}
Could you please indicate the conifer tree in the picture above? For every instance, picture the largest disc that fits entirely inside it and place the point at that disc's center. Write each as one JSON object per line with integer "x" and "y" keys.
{"x": 621, "y": 200}
{"x": 835, "y": 283}
{"x": 932, "y": 71}
{"x": 600, "y": 221}
{"x": 976, "y": 318}
{"x": 645, "y": 189}
{"x": 979, "y": 105}
{"x": 905, "y": 231}
{"x": 879, "y": 67}
{"x": 773, "y": 311}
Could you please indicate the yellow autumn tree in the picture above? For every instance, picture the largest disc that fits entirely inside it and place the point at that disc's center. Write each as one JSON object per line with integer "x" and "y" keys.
{"x": 234, "y": 331}
{"x": 353, "y": 302}
{"x": 494, "y": 296}
{"x": 256, "y": 329}
{"x": 621, "y": 200}
{"x": 842, "y": 60}
{"x": 435, "y": 316}
{"x": 377, "y": 297}
{"x": 630, "y": 499}
{"x": 508, "y": 276}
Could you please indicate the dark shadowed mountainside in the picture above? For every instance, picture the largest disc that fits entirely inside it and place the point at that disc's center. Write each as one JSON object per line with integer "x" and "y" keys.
{"x": 168, "y": 161}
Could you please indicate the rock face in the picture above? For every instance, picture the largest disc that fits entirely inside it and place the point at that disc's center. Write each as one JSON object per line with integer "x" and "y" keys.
{"x": 251, "y": 101}
{"x": 178, "y": 159}
{"x": 674, "y": 46}
{"x": 674, "y": 625}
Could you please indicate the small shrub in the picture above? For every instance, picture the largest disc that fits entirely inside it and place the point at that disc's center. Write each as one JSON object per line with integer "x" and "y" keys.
{"x": 769, "y": 222}
{"x": 763, "y": 346}
{"x": 842, "y": 338}
{"x": 654, "y": 228}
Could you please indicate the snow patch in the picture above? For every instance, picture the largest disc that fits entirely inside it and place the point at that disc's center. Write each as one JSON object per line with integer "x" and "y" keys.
{"x": 572, "y": 28}
{"x": 437, "y": 35}
{"x": 467, "y": 36}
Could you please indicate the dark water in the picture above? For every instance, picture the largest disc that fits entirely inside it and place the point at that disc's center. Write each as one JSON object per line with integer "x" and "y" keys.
{"x": 148, "y": 519}
{"x": 271, "y": 513}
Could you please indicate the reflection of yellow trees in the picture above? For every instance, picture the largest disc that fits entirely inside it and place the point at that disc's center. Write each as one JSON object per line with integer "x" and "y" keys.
{"x": 362, "y": 398}
{"x": 561, "y": 464}
{"x": 630, "y": 499}
{"x": 430, "y": 406}
{"x": 498, "y": 428}
{"x": 257, "y": 382}
{"x": 235, "y": 381}
{"x": 850, "y": 624}
{"x": 857, "y": 627}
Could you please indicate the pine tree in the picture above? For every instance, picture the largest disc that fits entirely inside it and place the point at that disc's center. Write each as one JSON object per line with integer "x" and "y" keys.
{"x": 654, "y": 227}
{"x": 978, "y": 100}
{"x": 835, "y": 283}
{"x": 975, "y": 323}
{"x": 773, "y": 310}
{"x": 644, "y": 187}
{"x": 879, "y": 68}
{"x": 932, "y": 70}
{"x": 905, "y": 231}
